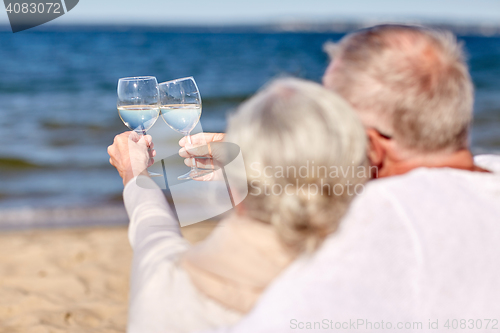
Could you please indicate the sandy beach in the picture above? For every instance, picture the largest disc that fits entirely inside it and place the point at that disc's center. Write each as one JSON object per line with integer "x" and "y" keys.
{"x": 68, "y": 280}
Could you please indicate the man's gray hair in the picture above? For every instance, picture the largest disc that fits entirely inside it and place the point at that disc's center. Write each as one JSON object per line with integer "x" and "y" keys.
{"x": 408, "y": 82}
{"x": 293, "y": 125}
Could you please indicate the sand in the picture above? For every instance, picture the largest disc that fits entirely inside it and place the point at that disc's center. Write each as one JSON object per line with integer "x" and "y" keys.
{"x": 70, "y": 280}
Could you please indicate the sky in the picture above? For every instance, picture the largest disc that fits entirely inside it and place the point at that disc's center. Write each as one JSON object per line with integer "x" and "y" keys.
{"x": 223, "y": 12}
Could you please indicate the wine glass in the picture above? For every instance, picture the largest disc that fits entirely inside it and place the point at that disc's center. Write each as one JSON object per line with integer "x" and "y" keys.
{"x": 180, "y": 108}
{"x": 138, "y": 104}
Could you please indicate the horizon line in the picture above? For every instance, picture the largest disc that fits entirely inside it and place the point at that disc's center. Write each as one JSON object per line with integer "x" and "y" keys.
{"x": 330, "y": 26}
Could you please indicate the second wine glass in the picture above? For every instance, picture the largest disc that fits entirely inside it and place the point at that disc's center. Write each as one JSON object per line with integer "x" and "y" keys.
{"x": 180, "y": 108}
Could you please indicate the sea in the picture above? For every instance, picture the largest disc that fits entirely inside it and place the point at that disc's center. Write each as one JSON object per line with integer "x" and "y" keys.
{"x": 58, "y": 104}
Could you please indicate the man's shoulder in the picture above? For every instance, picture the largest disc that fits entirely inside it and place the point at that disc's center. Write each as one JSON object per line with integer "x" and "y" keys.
{"x": 490, "y": 162}
{"x": 426, "y": 191}
{"x": 426, "y": 179}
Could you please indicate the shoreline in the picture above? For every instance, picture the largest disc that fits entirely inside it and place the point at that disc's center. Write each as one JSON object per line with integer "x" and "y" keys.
{"x": 40, "y": 218}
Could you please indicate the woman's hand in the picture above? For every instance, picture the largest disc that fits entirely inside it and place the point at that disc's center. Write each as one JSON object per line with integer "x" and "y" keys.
{"x": 131, "y": 154}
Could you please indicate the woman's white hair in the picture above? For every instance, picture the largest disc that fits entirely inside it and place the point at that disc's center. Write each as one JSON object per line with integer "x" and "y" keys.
{"x": 287, "y": 128}
{"x": 409, "y": 82}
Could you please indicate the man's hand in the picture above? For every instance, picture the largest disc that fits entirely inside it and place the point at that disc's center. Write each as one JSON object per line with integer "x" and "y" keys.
{"x": 200, "y": 148}
{"x": 131, "y": 154}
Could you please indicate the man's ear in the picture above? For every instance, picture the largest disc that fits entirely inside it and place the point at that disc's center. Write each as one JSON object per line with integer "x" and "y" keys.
{"x": 376, "y": 147}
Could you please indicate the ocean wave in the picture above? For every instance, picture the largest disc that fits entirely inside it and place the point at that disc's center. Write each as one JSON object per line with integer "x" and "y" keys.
{"x": 7, "y": 163}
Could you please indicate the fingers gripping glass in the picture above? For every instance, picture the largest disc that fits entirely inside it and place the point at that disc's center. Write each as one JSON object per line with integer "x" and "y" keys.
{"x": 180, "y": 108}
{"x": 138, "y": 104}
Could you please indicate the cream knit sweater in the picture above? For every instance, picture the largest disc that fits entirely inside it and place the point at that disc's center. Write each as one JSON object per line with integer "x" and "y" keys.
{"x": 176, "y": 287}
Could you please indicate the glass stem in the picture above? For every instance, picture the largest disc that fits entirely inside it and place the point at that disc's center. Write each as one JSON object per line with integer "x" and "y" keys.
{"x": 147, "y": 144}
{"x": 194, "y": 168}
{"x": 144, "y": 134}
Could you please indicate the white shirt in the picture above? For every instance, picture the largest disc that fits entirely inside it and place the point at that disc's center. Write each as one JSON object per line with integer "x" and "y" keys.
{"x": 415, "y": 251}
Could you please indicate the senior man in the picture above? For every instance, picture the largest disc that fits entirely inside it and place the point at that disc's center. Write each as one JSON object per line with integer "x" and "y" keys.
{"x": 418, "y": 250}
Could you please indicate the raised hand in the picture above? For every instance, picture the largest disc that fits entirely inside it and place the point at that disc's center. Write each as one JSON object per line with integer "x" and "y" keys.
{"x": 200, "y": 148}
{"x": 205, "y": 154}
{"x": 131, "y": 154}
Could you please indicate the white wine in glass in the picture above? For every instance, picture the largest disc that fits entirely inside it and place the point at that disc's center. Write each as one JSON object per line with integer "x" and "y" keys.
{"x": 182, "y": 117}
{"x": 139, "y": 118}
{"x": 137, "y": 104}
{"x": 180, "y": 108}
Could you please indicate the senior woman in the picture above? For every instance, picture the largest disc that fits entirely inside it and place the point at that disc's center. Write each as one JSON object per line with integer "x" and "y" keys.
{"x": 294, "y": 135}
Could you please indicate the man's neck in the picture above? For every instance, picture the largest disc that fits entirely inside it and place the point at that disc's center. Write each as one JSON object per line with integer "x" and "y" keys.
{"x": 461, "y": 159}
